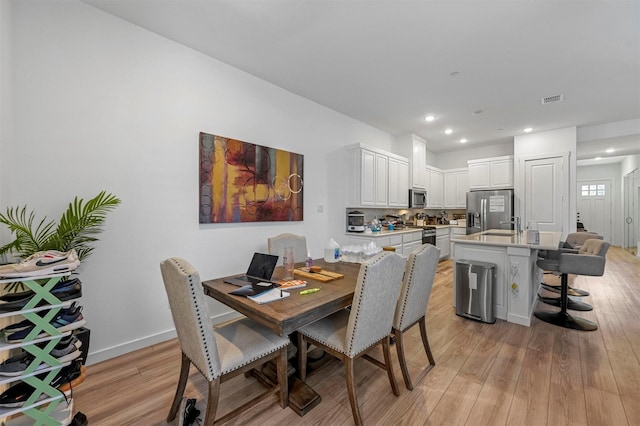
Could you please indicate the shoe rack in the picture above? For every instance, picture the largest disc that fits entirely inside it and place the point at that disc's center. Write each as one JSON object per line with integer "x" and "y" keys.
{"x": 46, "y": 405}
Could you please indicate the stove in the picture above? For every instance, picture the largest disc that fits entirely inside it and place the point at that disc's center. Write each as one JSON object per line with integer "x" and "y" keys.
{"x": 429, "y": 235}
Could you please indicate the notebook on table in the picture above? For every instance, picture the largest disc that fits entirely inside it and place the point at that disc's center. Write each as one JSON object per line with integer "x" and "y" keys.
{"x": 260, "y": 270}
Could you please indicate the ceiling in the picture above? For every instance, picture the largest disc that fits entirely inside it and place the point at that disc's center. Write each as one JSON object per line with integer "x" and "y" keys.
{"x": 480, "y": 67}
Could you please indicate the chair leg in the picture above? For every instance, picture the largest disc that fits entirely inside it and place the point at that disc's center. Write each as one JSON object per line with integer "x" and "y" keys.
{"x": 302, "y": 357}
{"x": 283, "y": 379}
{"x": 386, "y": 343}
{"x": 182, "y": 384}
{"x": 351, "y": 389}
{"x": 401, "y": 358}
{"x": 212, "y": 402}
{"x": 425, "y": 340}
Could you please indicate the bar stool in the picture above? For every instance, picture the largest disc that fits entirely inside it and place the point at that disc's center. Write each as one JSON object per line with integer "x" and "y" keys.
{"x": 589, "y": 260}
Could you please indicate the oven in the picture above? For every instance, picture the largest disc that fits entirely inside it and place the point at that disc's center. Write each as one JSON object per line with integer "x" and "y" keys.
{"x": 429, "y": 235}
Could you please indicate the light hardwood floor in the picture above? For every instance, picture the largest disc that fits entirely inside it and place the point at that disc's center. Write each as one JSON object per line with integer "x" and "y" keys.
{"x": 500, "y": 374}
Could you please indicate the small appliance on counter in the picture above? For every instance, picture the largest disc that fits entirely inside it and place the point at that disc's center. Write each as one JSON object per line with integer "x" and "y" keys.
{"x": 355, "y": 221}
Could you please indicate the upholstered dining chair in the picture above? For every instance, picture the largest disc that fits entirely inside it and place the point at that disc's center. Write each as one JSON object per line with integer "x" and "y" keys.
{"x": 219, "y": 353}
{"x": 411, "y": 309}
{"x": 348, "y": 334}
{"x": 277, "y": 244}
{"x": 589, "y": 260}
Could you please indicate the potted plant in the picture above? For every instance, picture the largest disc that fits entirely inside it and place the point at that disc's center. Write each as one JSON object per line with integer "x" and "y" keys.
{"x": 77, "y": 228}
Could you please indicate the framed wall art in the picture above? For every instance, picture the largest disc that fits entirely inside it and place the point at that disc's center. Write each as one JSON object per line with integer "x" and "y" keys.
{"x": 245, "y": 182}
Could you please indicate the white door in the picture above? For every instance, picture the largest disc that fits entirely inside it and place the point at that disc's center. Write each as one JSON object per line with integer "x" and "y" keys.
{"x": 545, "y": 193}
{"x": 631, "y": 212}
{"x": 594, "y": 206}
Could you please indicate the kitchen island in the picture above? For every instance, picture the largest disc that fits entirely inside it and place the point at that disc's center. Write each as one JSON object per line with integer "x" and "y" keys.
{"x": 518, "y": 277}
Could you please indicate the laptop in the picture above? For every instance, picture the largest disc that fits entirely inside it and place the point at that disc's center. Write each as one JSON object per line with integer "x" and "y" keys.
{"x": 260, "y": 270}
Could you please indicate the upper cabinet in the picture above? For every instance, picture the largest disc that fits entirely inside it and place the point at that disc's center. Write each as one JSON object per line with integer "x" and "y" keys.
{"x": 415, "y": 149}
{"x": 435, "y": 186}
{"x": 456, "y": 185}
{"x": 377, "y": 178}
{"x": 491, "y": 173}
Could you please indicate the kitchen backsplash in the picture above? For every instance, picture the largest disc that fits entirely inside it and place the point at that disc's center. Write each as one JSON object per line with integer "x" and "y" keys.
{"x": 407, "y": 214}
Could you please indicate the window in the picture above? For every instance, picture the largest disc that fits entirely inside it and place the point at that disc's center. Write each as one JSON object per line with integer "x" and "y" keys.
{"x": 592, "y": 190}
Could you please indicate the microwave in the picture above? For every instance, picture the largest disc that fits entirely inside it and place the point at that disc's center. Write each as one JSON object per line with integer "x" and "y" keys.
{"x": 355, "y": 221}
{"x": 417, "y": 199}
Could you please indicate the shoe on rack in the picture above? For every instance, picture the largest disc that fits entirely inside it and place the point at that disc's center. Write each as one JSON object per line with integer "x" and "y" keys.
{"x": 42, "y": 263}
{"x": 18, "y": 394}
{"x": 66, "y": 350}
{"x": 188, "y": 413}
{"x": 66, "y": 320}
{"x": 72, "y": 290}
{"x": 60, "y": 286}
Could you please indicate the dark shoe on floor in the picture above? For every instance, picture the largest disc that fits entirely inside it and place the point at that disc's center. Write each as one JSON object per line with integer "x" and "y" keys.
{"x": 188, "y": 414}
{"x": 79, "y": 420}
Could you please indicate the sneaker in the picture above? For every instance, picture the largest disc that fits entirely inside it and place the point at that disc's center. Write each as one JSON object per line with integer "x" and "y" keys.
{"x": 66, "y": 350}
{"x": 66, "y": 320}
{"x": 188, "y": 413}
{"x": 42, "y": 263}
{"x": 18, "y": 394}
{"x": 60, "y": 286}
{"x": 72, "y": 289}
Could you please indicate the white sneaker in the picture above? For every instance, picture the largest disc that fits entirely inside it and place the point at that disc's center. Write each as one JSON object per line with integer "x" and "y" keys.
{"x": 42, "y": 263}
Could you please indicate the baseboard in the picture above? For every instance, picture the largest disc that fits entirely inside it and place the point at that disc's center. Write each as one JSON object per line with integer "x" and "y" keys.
{"x": 134, "y": 345}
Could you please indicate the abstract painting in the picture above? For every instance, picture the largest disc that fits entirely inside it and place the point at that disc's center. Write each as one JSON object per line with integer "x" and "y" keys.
{"x": 245, "y": 182}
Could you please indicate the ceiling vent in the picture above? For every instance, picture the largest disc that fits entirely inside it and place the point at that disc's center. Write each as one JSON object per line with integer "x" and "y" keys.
{"x": 551, "y": 99}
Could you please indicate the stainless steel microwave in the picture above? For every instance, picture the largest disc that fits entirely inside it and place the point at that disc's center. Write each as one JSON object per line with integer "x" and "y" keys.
{"x": 417, "y": 199}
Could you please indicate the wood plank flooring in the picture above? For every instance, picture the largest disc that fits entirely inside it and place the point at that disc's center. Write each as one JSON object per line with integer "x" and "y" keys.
{"x": 500, "y": 374}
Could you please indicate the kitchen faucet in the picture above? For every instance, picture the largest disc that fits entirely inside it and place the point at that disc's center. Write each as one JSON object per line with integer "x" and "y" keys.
{"x": 516, "y": 222}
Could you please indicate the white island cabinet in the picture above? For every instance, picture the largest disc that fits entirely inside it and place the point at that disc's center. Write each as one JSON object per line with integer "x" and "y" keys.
{"x": 518, "y": 277}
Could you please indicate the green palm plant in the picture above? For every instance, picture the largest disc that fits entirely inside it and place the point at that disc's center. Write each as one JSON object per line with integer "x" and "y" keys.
{"x": 77, "y": 228}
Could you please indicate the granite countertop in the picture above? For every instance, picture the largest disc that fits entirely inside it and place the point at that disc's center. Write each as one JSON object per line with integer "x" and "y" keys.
{"x": 505, "y": 238}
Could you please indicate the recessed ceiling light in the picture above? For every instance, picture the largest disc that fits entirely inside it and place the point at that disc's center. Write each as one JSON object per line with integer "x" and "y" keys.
{"x": 463, "y": 140}
{"x": 477, "y": 112}
{"x": 429, "y": 118}
{"x": 528, "y": 129}
{"x": 448, "y": 131}
{"x": 610, "y": 150}
{"x": 455, "y": 73}
{"x": 598, "y": 158}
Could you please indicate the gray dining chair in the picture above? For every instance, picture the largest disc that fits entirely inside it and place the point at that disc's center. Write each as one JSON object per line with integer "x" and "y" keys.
{"x": 411, "y": 309}
{"x": 222, "y": 352}
{"x": 277, "y": 244}
{"x": 349, "y": 334}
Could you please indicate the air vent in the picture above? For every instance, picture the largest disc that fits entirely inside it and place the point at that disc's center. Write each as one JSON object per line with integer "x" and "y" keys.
{"x": 554, "y": 98}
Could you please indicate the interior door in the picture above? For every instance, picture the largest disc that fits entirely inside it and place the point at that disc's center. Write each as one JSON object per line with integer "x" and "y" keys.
{"x": 631, "y": 214}
{"x": 594, "y": 206}
{"x": 545, "y": 193}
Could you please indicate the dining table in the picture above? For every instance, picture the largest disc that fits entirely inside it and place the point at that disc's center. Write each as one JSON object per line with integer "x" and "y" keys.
{"x": 284, "y": 316}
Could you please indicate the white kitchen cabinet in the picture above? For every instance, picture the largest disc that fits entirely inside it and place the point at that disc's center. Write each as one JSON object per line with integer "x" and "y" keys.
{"x": 456, "y": 185}
{"x": 435, "y": 190}
{"x": 456, "y": 231}
{"x": 443, "y": 242}
{"x": 415, "y": 149}
{"x": 376, "y": 178}
{"x": 398, "y": 183}
{"x": 491, "y": 173}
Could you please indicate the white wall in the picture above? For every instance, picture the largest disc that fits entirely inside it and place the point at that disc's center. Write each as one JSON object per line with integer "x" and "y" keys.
{"x": 610, "y": 172}
{"x": 553, "y": 142}
{"x": 102, "y": 104}
{"x": 5, "y": 91}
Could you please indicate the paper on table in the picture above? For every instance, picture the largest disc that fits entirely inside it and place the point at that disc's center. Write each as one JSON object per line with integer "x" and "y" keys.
{"x": 291, "y": 284}
{"x": 269, "y": 296}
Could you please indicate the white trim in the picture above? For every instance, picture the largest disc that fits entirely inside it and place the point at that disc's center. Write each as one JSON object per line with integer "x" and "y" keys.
{"x": 133, "y": 345}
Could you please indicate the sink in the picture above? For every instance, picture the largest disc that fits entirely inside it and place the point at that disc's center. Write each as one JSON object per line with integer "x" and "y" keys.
{"x": 500, "y": 234}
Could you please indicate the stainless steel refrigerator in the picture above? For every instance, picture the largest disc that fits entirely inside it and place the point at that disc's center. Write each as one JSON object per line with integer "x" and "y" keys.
{"x": 489, "y": 210}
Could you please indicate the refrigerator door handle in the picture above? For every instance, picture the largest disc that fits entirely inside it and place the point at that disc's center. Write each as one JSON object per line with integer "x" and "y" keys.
{"x": 483, "y": 219}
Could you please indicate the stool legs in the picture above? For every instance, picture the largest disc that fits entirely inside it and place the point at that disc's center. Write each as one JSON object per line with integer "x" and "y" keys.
{"x": 562, "y": 318}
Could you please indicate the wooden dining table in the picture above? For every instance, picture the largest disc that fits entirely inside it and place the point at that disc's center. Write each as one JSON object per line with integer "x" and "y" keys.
{"x": 288, "y": 314}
